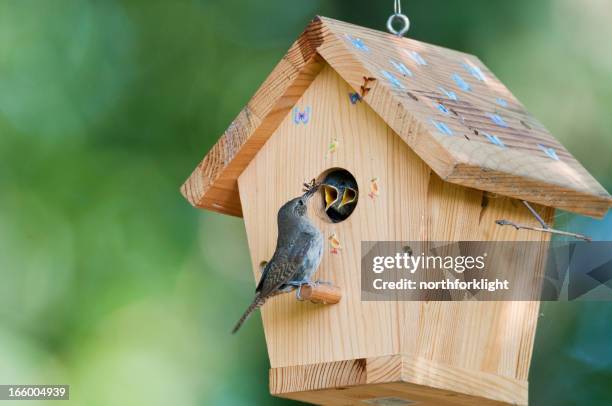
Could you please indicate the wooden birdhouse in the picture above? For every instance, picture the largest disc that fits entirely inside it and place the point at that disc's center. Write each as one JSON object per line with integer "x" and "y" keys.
{"x": 439, "y": 149}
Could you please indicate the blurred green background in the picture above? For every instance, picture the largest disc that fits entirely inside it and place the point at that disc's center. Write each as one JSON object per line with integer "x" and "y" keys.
{"x": 113, "y": 284}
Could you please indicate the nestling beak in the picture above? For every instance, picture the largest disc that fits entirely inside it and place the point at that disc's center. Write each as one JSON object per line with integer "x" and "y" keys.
{"x": 331, "y": 195}
{"x": 348, "y": 196}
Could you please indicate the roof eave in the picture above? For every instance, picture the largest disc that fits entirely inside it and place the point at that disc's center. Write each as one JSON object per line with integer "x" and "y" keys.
{"x": 213, "y": 184}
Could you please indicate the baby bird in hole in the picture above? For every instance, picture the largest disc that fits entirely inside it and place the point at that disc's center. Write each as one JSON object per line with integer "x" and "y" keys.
{"x": 299, "y": 248}
{"x": 340, "y": 195}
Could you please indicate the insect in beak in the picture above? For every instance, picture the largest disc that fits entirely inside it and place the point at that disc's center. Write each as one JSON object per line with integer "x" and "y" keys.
{"x": 348, "y": 196}
{"x": 310, "y": 189}
{"x": 331, "y": 195}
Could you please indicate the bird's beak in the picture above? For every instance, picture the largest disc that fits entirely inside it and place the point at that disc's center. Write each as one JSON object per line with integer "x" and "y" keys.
{"x": 310, "y": 189}
{"x": 331, "y": 195}
{"x": 348, "y": 196}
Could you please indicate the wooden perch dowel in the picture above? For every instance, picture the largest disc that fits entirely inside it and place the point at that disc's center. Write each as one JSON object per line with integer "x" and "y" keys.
{"x": 321, "y": 293}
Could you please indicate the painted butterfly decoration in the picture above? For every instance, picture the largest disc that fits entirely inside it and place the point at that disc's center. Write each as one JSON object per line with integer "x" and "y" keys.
{"x": 301, "y": 116}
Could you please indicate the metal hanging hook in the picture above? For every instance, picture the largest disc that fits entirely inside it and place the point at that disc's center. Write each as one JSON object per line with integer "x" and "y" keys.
{"x": 397, "y": 15}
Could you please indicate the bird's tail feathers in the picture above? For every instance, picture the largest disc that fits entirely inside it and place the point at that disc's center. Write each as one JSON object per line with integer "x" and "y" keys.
{"x": 257, "y": 303}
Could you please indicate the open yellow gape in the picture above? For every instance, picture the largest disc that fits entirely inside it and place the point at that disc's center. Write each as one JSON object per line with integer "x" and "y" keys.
{"x": 331, "y": 195}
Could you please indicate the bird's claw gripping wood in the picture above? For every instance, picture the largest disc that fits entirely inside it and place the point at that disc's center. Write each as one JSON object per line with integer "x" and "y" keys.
{"x": 298, "y": 293}
{"x": 320, "y": 292}
{"x": 297, "y": 255}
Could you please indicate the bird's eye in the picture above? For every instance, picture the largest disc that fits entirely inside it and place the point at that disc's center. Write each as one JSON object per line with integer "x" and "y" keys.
{"x": 301, "y": 202}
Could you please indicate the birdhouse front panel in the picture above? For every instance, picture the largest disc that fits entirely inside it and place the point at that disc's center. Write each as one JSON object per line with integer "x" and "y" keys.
{"x": 399, "y": 199}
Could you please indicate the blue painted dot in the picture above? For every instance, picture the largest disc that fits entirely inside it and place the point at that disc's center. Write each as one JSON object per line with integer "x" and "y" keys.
{"x": 442, "y": 108}
{"x": 449, "y": 94}
{"x": 497, "y": 119}
{"x": 358, "y": 43}
{"x": 416, "y": 57}
{"x": 501, "y": 102}
{"x": 401, "y": 68}
{"x": 462, "y": 84}
{"x": 442, "y": 127}
{"x": 550, "y": 152}
{"x": 475, "y": 71}
{"x": 392, "y": 79}
{"x": 494, "y": 139}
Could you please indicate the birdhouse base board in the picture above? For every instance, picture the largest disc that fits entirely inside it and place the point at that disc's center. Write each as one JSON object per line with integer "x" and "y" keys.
{"x": 394, "y": 380}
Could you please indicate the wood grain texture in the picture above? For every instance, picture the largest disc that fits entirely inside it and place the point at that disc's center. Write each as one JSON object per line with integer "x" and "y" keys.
{"x": 401, "y": 376}
{"x": 413, "y": 99}
{"x": 412, "y": 204}
{"x": 326, "y": 375}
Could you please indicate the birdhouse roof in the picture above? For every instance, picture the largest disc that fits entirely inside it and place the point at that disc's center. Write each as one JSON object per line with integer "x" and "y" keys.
{"x": 446, "y": 105}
